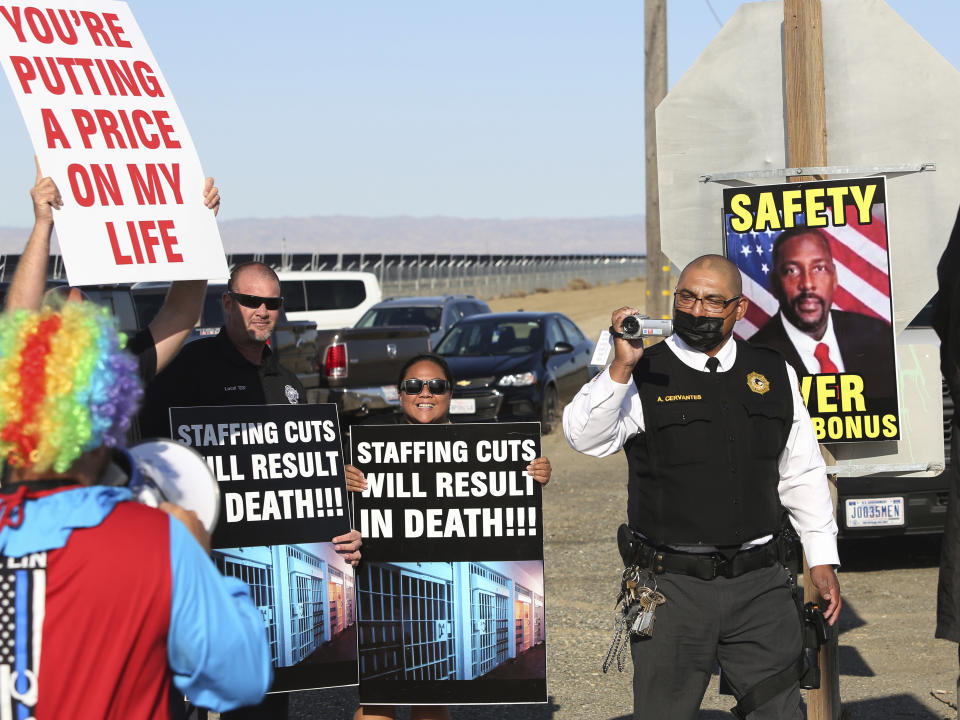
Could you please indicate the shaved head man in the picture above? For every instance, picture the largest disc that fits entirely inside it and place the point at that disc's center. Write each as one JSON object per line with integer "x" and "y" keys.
{"x": 251, "y": 305}
{"x": 236, "y": 367}
{"x": 708, "y": 302}
{"x": 717, "y": 440}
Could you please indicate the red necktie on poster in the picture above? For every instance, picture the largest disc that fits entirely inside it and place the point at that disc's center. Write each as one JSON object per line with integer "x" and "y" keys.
{"x": 822, "y": 354}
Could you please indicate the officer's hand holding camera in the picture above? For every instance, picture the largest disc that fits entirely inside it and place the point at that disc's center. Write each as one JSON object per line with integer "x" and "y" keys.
{"x": 627, "y": 353}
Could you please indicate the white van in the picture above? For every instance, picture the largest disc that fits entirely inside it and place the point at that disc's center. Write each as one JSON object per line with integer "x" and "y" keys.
{"x": 332, "y": 299}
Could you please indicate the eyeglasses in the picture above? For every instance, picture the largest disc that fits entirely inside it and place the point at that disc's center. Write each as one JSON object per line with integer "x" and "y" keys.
{"x": 255, "y": 301}
{"x": 685, "y": 300}
{"x": 436, "y": 386}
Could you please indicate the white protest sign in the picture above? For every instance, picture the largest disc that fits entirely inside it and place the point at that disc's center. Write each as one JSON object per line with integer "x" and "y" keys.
{"x": 105, "y": 127}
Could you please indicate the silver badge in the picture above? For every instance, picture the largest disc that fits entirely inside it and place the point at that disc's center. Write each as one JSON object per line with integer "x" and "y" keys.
{"x": 391, "y": 350}
{"x": 293, "y": 397}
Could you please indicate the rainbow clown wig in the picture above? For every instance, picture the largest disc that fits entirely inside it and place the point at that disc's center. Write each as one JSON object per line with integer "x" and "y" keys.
{"x": 66, "y": 385}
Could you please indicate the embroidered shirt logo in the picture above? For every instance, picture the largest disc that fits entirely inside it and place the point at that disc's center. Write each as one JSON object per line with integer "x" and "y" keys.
{"x": 758, "y": 383}
{"x": 676, "y": 398}
{"x": 293, "y": 397}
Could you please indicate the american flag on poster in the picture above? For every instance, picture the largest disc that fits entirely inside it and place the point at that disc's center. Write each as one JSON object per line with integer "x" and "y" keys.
{"x": 859, "y": 253}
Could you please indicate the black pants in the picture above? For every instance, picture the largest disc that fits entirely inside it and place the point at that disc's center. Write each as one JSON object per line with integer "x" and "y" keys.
{"x": 747, "y": 623}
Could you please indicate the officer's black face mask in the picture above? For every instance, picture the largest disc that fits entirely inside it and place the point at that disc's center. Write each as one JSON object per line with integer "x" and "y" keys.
{"x": 701, "y": 333}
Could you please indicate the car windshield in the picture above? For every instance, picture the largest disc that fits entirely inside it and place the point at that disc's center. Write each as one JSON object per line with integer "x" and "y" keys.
{"x": 149, "y": 302}
{"x": 493, "y": 337}
{"x": 398, "y": 315}
{"x": 148, "y": 305}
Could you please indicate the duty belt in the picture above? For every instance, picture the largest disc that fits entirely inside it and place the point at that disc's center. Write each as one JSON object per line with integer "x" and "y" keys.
{"x": 636, "y": 551}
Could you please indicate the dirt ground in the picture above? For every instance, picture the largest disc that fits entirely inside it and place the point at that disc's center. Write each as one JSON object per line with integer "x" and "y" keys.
{"x": 889, "y": 660}
{"x": 590, "y": 309}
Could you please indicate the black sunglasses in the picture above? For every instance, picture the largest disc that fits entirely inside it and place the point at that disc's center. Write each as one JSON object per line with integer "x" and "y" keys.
{"x": 255, "y": 301}
{"x": 413, "y": 386}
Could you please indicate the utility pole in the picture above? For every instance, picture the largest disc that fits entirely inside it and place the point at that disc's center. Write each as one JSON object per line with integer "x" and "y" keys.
{"x": 807, "y": 147}
{"x": 655, "y": 89}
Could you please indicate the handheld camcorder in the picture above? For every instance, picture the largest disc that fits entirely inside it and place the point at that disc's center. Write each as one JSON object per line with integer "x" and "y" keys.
{"x": 640, "y": 327}
{"x": 162, "y": 470}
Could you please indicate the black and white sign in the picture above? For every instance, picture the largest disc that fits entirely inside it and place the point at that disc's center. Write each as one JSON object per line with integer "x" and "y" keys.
{"x": 450, "y": 590}
{"x": 446, "y": 492}
{"x": 280, "y": 469}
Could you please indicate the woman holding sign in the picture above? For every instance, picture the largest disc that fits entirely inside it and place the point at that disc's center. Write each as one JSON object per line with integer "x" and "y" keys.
{"x": 426, "y": 387}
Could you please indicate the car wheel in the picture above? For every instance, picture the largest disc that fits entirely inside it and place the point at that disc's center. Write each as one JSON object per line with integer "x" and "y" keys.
{"x": 550, "y": 410}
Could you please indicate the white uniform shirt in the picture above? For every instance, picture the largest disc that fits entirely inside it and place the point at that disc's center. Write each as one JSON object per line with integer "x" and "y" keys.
{"x": 605, "y": 414}
{"x": 806, "y": 346}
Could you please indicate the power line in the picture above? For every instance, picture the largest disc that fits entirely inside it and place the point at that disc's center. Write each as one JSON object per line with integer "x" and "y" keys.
{"x": 714, "y": 12}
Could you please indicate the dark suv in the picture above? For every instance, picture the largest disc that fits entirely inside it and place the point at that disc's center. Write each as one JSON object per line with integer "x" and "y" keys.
{"x": 438, "y": 314}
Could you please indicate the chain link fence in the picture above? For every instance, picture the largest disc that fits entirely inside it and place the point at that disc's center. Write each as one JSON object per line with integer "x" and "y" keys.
{"x": 482, "y": 275}
{"x": 485, "y": 276}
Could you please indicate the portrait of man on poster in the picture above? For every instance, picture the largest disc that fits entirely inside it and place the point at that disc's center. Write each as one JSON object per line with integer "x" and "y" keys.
{"x": 814, "y": 336}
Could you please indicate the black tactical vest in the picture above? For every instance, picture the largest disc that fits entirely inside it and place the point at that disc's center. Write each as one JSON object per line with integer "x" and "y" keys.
{"x": 705, "y": 469}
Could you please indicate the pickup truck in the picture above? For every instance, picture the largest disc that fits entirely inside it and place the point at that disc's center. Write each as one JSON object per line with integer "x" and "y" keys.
{"x": 295, "y": 341}
{"x": 359, "y": 367}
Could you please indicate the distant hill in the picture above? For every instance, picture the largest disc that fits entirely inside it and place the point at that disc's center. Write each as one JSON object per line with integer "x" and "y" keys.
{"x": 346, "y": 234}
{"x": 338, "y": 233}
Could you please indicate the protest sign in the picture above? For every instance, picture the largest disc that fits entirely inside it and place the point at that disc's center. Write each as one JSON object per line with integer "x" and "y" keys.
{"x": 105, "y": 127}
{"x": 816, "y": 270}
{"x": 451, "y": 584}
{"x": 283, "y": 497}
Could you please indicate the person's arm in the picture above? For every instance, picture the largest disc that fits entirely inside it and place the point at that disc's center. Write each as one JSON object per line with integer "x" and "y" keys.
{"x": 217, "y": 643}
{"x": 30, "y": 278}
{"x": 176, "y": 318}
{"x": 805, "y": 494}
{"x": 181, "y": 308}
{"x": 607, "y": 411}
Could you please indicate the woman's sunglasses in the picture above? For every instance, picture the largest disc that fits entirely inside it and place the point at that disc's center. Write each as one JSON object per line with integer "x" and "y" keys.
{"x": 255, "y": 301}
{"x": 413, "y": 386}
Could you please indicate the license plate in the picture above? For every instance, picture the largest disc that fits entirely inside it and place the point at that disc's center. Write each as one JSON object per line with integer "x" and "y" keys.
{"x": 875, "y": 512}
{"x": 463, "y": 406}
{"x": 390, "y": 393}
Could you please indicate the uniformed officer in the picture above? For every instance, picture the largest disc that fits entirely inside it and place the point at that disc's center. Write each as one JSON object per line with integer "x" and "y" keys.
{"x": 236, "y": 367}
{"x": 717, "y": 438}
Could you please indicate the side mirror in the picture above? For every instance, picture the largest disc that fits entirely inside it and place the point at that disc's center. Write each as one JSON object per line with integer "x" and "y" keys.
{"x": 561, "y": 348}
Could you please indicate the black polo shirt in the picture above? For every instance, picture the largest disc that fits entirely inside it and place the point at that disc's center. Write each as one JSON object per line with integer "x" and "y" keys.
{"x": 212, "y": 371}
{"x": 144, "y": 349}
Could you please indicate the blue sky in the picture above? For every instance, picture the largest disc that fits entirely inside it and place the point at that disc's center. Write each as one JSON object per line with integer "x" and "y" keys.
{"x": 424, "y": 107}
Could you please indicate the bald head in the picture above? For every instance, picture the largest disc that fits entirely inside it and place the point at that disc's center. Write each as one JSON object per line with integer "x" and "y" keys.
{"x": 720, "y": 268}
{"x": 252, "y": 271}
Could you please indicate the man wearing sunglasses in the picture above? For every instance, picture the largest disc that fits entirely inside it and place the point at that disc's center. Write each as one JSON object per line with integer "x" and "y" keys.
{"x": 717, "y": 439}
{"x": 236, "y": 367}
